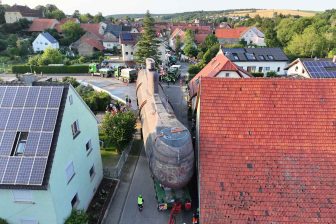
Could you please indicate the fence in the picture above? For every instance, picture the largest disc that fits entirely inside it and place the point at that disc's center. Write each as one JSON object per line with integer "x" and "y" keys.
{"x": 114, "y": 172}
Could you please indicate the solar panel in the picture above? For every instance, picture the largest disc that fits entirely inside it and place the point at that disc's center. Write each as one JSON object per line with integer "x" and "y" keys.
{"x": 30, "y": 112}
{"x": 318, "y": 69}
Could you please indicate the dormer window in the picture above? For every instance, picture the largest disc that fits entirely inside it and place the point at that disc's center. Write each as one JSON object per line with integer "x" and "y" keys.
{"x": 20, "y": 144}
{"x": 270, "y": 57}
{"x": 261, "y": 57}
{"x": 235, "y": 56}
{"x": 250, "y": 56}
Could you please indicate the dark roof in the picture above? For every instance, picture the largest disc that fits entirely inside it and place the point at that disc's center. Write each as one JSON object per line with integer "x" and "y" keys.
{"x": 267, "y": 151}
{"x": 25, "y": 11}
{"x": 50, "y": 38}
{"x": 260, "y": 54}
{"x": 38, "y": 110}
{"x": 129, "y": 38}
{"x": 114, "y": 29}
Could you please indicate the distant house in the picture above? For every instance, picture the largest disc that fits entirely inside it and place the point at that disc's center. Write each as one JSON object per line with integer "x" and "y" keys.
{"x": 17, "y": 12}
{"x": 128, "y": 43}
{"x": 87, "y": 45}
{"x": 40, "y": 25}
{"x": 199, "y": 35}
{"x": 43, "y": 41}
{"x": 258, "y": 60}
{"x": 220, "y": 67}
{"x": 266, "y": 151}
{"x": 50, "y": 160}
{"x": 251, "y": 35}
{"x": 313, "y": 68}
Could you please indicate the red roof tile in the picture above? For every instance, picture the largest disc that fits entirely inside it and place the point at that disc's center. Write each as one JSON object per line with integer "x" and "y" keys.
{"x": 93, "y": 43}
{"x": 267, "y": 151}
{"x": 212, "y": 69}
{"x": 40, "y": 25}
{"x": 92, "y": 28}
{"x": 200, "y": 38}
{"x": 235, "y": 33}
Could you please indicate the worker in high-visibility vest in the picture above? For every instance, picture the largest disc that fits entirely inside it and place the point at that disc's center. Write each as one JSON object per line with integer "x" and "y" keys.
{"x": 140, "y": 201}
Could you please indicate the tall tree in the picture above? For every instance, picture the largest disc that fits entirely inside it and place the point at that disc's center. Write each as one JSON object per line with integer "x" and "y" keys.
{"x": 98, "y": 18}
{"x": 72, "y": 32}
{"x": 148, "y": 43}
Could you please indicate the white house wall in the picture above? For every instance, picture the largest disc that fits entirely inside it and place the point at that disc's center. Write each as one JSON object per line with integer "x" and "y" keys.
{"x": 73, "y": 150}
{"x": 252, "y": 37}
{"x": 273, "y": 66}
{"x": 298, "y": 69}
{"x": 41, "y": 43}
{"x": 127, "y": 51}
{"x": 228, "y": 74}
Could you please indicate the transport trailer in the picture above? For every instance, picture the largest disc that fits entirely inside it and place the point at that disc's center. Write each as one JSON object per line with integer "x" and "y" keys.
{"x": 167, "y": 141}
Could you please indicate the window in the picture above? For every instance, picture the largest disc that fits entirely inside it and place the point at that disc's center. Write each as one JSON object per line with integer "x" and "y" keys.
{"x": 235, "y": 56}
{"x": 296, "y": 68}
{"x": 70, "y": 172}
{"x": 267, "y": 69}
{"x": 22, "y": 196}
{"x": 88, "y": 147}
{"x": 70, "y": 100}
{"x": 75, "y": 201}
{"x": 45, "y": 43}
{"x": 92, "y": 172}
{"x": 251, "y": 68}
{"x": 278, "y": 69}
{"x": 261, "y": 57}
{"x": 250, "y": 56}
{"x": 75, "y": 129}
{"x": 20, "y": 144}
{"x": 227, "y": 75}
{"x": 126, "y": 53}
{"x": 29, "y": 221}
{"x": 131, "y": 53}
{"x": 260, "y": 69}
{"x": 270, "y": 57}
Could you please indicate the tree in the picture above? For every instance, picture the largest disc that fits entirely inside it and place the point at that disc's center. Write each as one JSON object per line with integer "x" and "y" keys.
{"x": 98, "y": 18}
{"x": 76, "y": 14}
{"x": 3, "y": 221}
{"x": 50, "y": 56}
{"x": 3, "y": 45}
{"x": 210, "y": 40}
{"x": 85, "y": 18}
{"x": 71, "y": 80}
{"x": 178, "y": 45}
{"x": 71, "y": 31}
{"x": 120, "y": 128}
{"x": 190, "y": 48}
{"x": 2, "y": 14}
{"x": 308, "y": 44}
{"x": 210, "y": 53}
{"x": 148, "y": 43}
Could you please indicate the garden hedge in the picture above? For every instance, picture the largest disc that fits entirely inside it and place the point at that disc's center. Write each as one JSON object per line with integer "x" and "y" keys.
{"x": 21, "y": 69}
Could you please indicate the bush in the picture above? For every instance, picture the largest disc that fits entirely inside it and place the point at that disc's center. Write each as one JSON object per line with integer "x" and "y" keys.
{"x": 77, "y": 217}
{"x": 71, "y": 80}
{"x": 272, "y": 74}
{"x": 119, "y": 128}
{"x": 21, "y": 69}
{"x": 97, "y": 101}
{"x": 257, "y": 74}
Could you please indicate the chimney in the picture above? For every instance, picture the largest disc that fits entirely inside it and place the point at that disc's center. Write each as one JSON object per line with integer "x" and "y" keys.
{"x": 334, "y": 59}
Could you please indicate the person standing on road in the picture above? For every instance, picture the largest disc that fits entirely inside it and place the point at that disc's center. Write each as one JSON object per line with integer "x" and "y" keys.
{"x": 126, "y": 99}
{"x": 140, "y": 201}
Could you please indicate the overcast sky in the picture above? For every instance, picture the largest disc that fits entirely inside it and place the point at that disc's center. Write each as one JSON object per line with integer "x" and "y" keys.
{"x": 108, "y": 7}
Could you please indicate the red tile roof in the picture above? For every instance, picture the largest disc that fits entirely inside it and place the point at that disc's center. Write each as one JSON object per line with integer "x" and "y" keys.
{"x": 212, "y": 69}
{"x": 235, "y": 33}
{"x": 200, "y": 38}
{"x": 92, "y": 28}
{"x": 93, "y": 43}
{"x": 267, "y": 151}
{"x": 40, "y": 25}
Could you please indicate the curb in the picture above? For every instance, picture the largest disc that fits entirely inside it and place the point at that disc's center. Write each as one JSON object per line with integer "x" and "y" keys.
{"x": 111, "y": 200}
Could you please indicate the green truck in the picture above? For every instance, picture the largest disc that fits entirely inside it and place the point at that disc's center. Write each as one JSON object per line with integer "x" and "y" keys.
{"x": 126, "y": 74}
{"x": 94, "y": 69}
{"x": 173, "y": 74}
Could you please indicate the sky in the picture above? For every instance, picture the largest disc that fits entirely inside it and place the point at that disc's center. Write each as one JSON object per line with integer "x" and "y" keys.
{"x": 109, "y": 7}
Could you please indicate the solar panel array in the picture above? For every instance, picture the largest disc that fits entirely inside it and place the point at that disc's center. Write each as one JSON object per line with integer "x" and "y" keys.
{"x": 319, "y": 69}
{"x": 32, "y": 109}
